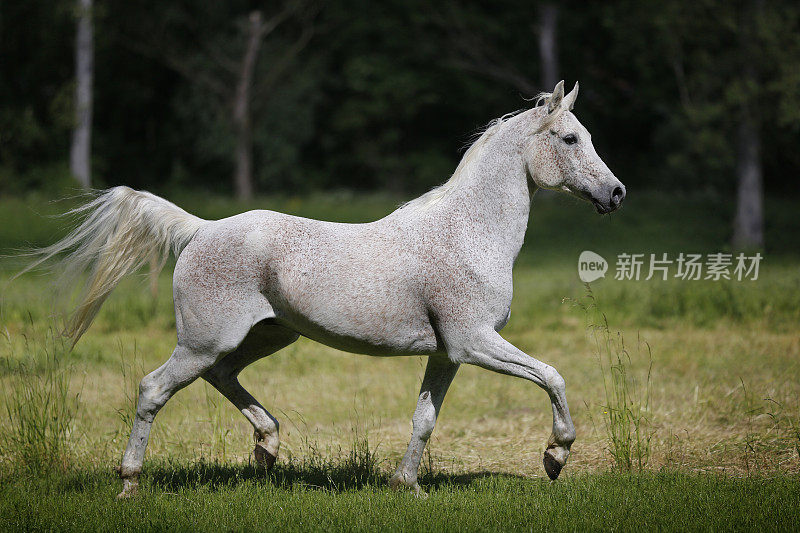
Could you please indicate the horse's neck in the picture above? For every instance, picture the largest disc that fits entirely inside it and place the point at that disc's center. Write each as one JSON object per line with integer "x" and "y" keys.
{"x": 493, "y": 198}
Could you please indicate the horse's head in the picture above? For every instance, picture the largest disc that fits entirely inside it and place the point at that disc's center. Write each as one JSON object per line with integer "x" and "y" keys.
{"x": 561, "y": 156}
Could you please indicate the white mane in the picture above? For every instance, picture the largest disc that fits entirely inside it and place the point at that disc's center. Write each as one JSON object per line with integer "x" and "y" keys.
{"x": 437, "y": 193}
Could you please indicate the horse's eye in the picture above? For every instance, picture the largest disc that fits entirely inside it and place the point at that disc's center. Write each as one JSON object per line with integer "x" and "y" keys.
{"x": 571, "y": 138}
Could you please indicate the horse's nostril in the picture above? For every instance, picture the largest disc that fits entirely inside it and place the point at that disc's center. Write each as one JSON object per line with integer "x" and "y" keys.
{"x": 616, "y": 196}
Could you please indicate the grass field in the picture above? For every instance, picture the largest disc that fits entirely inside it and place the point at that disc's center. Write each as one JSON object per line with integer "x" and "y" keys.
{"x": 720, "y": 410}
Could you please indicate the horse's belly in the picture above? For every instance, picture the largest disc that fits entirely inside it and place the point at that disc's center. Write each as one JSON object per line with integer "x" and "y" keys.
{"x": 372, "y": 322}
{"x": 371, "y": 338}
{"x": 420, "y": 344}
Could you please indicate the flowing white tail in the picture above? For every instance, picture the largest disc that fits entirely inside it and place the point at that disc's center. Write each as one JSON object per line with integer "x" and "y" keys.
{"x": 121, "y": 230}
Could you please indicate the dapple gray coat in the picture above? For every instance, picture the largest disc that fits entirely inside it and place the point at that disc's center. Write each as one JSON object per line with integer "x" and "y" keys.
{"x": 434, "y": 277}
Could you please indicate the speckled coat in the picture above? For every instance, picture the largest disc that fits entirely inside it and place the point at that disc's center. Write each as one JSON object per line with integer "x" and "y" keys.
{"x": 434, "y": 277}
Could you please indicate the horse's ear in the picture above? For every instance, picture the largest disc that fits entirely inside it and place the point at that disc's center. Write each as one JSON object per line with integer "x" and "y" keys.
{"x": 569, "y": 100}
{"x": 554, "y": 102}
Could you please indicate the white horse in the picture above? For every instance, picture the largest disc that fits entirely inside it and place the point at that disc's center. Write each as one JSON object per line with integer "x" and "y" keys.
{"x": 431, "y": 278}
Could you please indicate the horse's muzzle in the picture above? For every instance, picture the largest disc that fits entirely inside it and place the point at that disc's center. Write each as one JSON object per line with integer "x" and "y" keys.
{"x": 612, "y": 200}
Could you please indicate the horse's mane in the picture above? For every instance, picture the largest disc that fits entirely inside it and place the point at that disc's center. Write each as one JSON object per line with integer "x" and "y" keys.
{"x": 481, "y": 138}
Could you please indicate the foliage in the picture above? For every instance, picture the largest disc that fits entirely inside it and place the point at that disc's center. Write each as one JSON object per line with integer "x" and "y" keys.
{"x": 382, "y": 98}
{"x": 625, "y": 414}
{"x": 39, "y": 404}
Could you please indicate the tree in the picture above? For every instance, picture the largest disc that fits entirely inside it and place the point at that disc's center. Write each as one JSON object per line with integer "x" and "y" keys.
{"x": 548, "y": 44}
{"x": 243, "y": 175}
{"x": 224, "y": 67}
{"x": 81, "y": 151}
{"x": 675, "y": 94}
{"x": 474, "y": 50}
{"x": 257, "y": 29}
{"x": 748, "y": 225}
{"x": 730, "y": 64}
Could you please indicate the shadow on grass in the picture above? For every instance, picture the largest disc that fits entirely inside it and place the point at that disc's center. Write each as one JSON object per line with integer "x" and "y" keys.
{"x": 333, "y": 478}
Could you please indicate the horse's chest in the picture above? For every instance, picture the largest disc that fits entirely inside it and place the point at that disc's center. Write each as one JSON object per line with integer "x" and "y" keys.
{"x": 472, "y": 293}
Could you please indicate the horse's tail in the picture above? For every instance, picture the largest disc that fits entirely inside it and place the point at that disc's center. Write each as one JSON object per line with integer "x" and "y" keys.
{"x": 121, "y": 229}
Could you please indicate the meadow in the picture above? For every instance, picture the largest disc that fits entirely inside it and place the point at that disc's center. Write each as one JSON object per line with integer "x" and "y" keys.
{"x": 686, "y": 398}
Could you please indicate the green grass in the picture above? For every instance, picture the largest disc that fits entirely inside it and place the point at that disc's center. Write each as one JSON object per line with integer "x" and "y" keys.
{"x": 625, "y": 411}
{"x": 39, "y": 405}
{"x": 207, "y": 497}
{"x": 722, "y": 410}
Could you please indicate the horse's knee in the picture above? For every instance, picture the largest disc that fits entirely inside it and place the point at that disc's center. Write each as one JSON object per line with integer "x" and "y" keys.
{"x": 151, "y": 398}
{"x": 424, "y": 417}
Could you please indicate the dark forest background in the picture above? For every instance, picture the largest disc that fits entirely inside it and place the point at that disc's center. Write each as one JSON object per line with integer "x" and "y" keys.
{"x": 242, "y": 97}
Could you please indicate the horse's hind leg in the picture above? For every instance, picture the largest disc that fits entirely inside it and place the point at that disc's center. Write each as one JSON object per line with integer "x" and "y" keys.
{"x": 182, "y": 368}
{"x": 263, "y": 340}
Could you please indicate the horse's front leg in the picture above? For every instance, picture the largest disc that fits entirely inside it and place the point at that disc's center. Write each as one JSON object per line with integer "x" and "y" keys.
{"x": 439, "y": 373}
{"x": 491, "y": 351}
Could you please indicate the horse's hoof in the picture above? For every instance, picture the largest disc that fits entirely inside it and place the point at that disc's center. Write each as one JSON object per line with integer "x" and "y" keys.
{"x": 552, "y": 466}
{"x": 263, "y": 456}
{"x": 414, "y": 489}
{"x": 129, "y": 489}
{"x": 399, "y": 484}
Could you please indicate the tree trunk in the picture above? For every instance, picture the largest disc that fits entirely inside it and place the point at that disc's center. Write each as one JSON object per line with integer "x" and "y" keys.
{"x": 548, "y": 50}
{"x": 748, "y": 226}
{"x": 548, "y": 59}
{"x": 81, "y": 152}
{"x": 243, "y": 155}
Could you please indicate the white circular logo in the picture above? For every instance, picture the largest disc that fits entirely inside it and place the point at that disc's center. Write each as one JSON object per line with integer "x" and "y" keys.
{"x": 591, "y": 266}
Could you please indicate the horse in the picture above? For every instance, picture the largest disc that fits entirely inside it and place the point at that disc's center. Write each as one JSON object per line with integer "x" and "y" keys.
{"x": 432, "y": 278}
